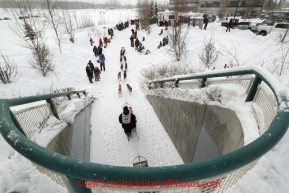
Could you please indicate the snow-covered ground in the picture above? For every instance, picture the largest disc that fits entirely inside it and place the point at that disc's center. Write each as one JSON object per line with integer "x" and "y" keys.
{"x": 109, "y": 144}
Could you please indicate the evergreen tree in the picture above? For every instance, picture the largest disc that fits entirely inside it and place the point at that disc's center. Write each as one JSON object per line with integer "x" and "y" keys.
{"x": 152, "y": 12}
{"x": 29, "y": 32}
{"x": 156, "y": 9}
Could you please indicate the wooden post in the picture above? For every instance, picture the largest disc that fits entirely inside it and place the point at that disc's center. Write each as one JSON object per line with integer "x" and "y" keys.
{"x": 285, "y": 34}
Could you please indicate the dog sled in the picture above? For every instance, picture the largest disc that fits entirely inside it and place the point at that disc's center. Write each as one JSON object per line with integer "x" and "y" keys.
{"x": 133, "y": 129}
{"x": 139, "y": 161}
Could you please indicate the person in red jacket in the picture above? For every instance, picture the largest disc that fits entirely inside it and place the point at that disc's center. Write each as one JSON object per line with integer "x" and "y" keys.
{"x": 100, "y": 42}
{"x": 206, "y": 21}
{"x": 91, "y": 41}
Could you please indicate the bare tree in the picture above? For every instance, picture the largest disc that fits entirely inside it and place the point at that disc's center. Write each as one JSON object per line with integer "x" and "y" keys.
{"x": 250, "y": 6}
{"x": 42, "y": 60}
{"x": 144, "y": 13}
{"x": 281, "y": 4}
{"x": 69, "y": 26}
{"x": 75, "y": 18}
{"x": 223, "y": 8}
{"x": 30, "y": 34}
{"x": 280, "y": 66}
{"x": 177, "y": 40}
{"x": 29, "y": 30}
{"x": 233, "y": 55}
{"x": 8, "y": 72}
{"x": 158, "y": 71}
{"x": 274, "y": 5}
{"x": 178, "y": 32}
{"x": 284, "y": 63}
{"x": 209, "y": 54}
{"x": 54, "y": 19}
{"x": 180, "y": 6}
{"x": 270, "y": 5}
{"x": 85, "y": 22}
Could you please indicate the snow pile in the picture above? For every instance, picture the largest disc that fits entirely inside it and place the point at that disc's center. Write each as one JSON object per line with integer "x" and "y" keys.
{"x": 53, "y": 126}
{"x": 17, "y": 174}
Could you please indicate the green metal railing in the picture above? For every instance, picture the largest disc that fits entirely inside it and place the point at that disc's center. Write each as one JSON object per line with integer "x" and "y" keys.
{"x": 76, "y": 169}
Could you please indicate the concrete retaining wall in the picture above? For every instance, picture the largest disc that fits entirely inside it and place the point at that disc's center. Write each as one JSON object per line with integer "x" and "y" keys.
{"x": 74, "y": 140}
{"x": 198, "y": 132}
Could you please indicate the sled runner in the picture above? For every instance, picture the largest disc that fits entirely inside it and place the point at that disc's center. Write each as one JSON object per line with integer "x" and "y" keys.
{"x": 132, "y": 135}
{"x": 140, "y": 161}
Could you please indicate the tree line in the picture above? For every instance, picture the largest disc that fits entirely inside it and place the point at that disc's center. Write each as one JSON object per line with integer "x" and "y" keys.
{"x": 39, "y": 4}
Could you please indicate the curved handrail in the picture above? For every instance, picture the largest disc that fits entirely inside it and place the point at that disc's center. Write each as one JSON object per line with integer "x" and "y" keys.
{"x": 276, "y": 87}
{"x": 193, "y": 171}
{"x": 30, "y": 99}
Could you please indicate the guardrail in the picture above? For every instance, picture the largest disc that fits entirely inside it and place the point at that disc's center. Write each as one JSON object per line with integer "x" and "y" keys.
{"x": 222, "y": 168}
{"x": 36, "y": 116}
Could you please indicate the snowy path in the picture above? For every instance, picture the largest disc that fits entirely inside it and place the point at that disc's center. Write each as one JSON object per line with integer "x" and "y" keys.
{"x": 108, "y": 141}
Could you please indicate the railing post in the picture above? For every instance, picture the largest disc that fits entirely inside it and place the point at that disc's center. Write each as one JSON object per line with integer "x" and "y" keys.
{"x": 78, "y": 95}
{"x": 78, "y": 185}
{"x": 52, "y": 107}
{"x": 249, "y": 85}
{"x": 68, "y": 96}
{"x": 257, "y": 93}
{"x": 177, "y": 83}
{"x": 253, "y": 89}
{"x": 203, "y": 84}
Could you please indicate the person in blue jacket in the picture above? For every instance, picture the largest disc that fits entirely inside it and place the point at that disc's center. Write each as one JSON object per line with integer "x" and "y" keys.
{"x": 95, "y": 51}
{"x": 102, "y": 62}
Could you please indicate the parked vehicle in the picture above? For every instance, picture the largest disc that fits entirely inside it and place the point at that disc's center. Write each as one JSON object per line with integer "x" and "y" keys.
{"x": 286, "y": 19}
{"x": 235, "y": 22}
{"x": 264, "y": 29}
{"x": 23, "y": 17}
{"x": 252, "y": 28}
{"x": 271, "y": 22}
{"x": 264, "y": 16}
{"x": 232, "y": 17}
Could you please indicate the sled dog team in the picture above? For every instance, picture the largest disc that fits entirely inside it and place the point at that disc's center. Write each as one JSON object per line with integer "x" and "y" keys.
{"x": 127, "y": 118}
{"x": 123, "y": 57}
{"x": 120, "y": 89}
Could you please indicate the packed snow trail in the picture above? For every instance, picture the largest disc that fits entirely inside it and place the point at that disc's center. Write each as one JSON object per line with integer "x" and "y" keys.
{"x": 109, "y": 144}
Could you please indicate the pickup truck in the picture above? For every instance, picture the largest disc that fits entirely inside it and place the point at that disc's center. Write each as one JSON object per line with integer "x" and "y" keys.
{"x": 264, "y": 30}
{"x": 235, "y": 22}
